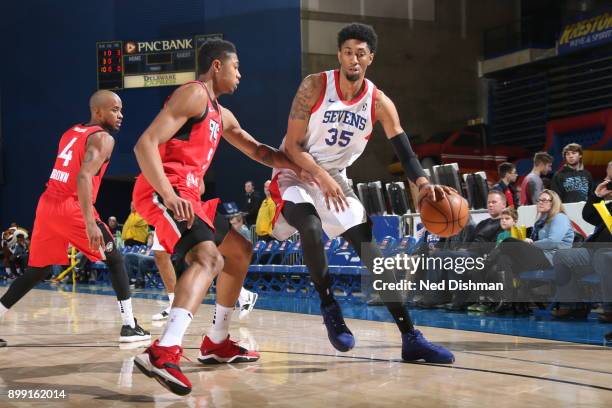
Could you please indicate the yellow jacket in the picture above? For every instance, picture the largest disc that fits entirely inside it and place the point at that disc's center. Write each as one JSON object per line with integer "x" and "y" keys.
{"x": 263, "y": 225}
{"x": 136, "y": 228}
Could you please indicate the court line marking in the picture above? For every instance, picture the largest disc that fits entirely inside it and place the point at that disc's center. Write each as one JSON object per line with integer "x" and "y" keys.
{"x": 537, "y": 362}
{"x": 454, "y": 367}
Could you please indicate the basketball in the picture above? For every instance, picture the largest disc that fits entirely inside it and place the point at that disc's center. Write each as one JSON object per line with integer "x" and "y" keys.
{"x": 445, "y": 217}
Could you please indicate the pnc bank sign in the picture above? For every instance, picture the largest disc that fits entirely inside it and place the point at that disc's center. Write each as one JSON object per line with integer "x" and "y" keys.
{"x": 132, "y": 47}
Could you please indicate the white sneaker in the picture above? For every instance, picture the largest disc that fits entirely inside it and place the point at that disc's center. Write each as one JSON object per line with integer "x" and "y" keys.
{"x": 247, "y": 305}
{"x": 163, "y": 315}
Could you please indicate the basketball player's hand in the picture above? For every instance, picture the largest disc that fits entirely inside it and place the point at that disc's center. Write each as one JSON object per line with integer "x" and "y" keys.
{"x": 181, "y": 208}
{"x": 332, "y": 192}
{"x": 435, "y": 192}
{"x": 94, "y": 235}
{"x": 306, "y": 177}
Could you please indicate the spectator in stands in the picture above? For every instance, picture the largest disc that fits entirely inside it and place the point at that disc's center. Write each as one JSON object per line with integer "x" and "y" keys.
{"x": 14, "y": 265}
{"x": 507, "y": 221}
{"x": 19, "y": 254}
{"x": 139, "y": 262}
{"x": 252, "y": 203}
{"x": 507, "y": 179}
{"x": 572, "y": 182}
{"x": 113, "y": 225}
{"x": 595, "y": 256}
{"x": 238, "y": 224}
{"x": 609, "y": 178}
{"x": 532, "y": 184}
{"x": 487, "y": 230}
{"x": 135, "y": 229}
{"x": 263, "y": 226}
{"x": 552, "y": 231}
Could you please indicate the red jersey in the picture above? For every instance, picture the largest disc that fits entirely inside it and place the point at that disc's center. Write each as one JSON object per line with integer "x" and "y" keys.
{"x": 187, "y": 156}
{"x": 71, "y": 151}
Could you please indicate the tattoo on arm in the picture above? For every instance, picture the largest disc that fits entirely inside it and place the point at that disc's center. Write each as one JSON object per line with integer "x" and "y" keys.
{"x": 300, "y": 108}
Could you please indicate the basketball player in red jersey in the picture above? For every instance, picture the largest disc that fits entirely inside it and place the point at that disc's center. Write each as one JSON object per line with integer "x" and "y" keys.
{"x": 330, "y": 123}
{"x": 66, "y": 213}
{"x": 174, "y": 154}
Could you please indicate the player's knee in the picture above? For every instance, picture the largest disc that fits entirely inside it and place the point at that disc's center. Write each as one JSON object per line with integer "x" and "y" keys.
{"x": 311, "y": 231}
{"x": 208, "y": 258}
{"x": 113, "y": 258}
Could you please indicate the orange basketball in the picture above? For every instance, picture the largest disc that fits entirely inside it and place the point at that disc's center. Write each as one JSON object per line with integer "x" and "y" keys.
{"x": 445, "y": 217}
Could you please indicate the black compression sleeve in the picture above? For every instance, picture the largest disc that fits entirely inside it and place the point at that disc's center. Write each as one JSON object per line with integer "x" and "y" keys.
{"x": 409, "y": 160}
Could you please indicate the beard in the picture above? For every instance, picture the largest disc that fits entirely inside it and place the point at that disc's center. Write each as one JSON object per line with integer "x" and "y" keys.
{"x": 352, "y": 77}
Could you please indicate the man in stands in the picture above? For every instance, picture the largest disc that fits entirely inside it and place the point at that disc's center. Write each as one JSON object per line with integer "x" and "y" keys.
{"x": 532, "y": 184}
{"x": 572, "y": 182}
{"x": 507, "y": 179}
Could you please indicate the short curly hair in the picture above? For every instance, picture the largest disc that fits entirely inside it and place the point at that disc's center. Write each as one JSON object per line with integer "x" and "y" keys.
{"x": 358, "y": 31}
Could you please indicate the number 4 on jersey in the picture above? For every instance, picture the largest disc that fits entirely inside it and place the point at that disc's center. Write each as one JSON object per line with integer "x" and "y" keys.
{"x": 66, "y": 153}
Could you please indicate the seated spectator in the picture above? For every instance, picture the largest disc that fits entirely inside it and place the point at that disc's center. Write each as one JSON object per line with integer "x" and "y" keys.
{"x": 265, "y": 216}
{"x": 140, "y": 262}
{"x": 609, "y": 179}
{"x": 533, "y": 184}
{"x": 113, "y": 226}
{"x": 135, "y": 229}
{"x": 507, "y": 221}
{"x": 595, "y": 256}
{"x": 238, "y": 224}
{"x": 252, "y": 202}
{"x": 551, "y": 232}
{"x": 507, "y": 179}
{"x": 572, "y": 182}
{"x": 486, "y": 231}
{"x": 15, "y": 248}
{"x": 18, "y": 260}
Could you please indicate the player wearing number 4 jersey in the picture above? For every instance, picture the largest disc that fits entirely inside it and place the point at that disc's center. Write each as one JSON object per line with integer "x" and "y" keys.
{"x": 330, "y": 122}
{"x": 174, "y": 154}
{"x": 66, "y": 213}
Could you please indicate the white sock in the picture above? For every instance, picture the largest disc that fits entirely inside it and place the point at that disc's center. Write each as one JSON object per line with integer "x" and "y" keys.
{"x": 220, "y": 325}
{"x": 178, "y": 322}
{"x": 170, "y": 299}
{"x": 125, "y": 308}
{"x": 3, "y": 310}
{"x": 244, "y": 296}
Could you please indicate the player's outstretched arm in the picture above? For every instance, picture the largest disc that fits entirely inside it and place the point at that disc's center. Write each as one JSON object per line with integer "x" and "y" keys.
{"x": 247, "y": 144}
{"x": 305, "y": 99}
{"x": 185, "y": 103}
{"x": 98, "y": 150}
{"x": 387, "y": 114}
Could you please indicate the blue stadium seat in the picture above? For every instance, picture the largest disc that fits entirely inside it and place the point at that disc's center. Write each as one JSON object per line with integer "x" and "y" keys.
{"x": 546, "y": 275}
{"x": 344, "y": 255}
{"x": 387, "y": 245}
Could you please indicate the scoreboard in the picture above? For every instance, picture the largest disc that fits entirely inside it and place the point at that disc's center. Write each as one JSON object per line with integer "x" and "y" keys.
{"x": 143, "y": 64}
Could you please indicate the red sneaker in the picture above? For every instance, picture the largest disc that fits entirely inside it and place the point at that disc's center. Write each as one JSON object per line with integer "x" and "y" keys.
{"x": 162, "y": 363}
{"x": 227, "y": 352}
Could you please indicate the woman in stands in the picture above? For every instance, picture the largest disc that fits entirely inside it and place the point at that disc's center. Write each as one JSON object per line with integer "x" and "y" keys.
{"x": 552, "y": 231}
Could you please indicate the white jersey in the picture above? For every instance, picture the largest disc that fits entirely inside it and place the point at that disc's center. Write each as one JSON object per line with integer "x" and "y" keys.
{"x": 338, "y": 131}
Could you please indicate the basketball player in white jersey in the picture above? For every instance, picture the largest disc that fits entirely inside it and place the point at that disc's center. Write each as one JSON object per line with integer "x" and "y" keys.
{"x": 331, "y": 120}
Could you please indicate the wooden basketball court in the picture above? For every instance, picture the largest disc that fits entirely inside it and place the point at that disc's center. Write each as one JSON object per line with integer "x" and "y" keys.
{"x": 68, "y": 341}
